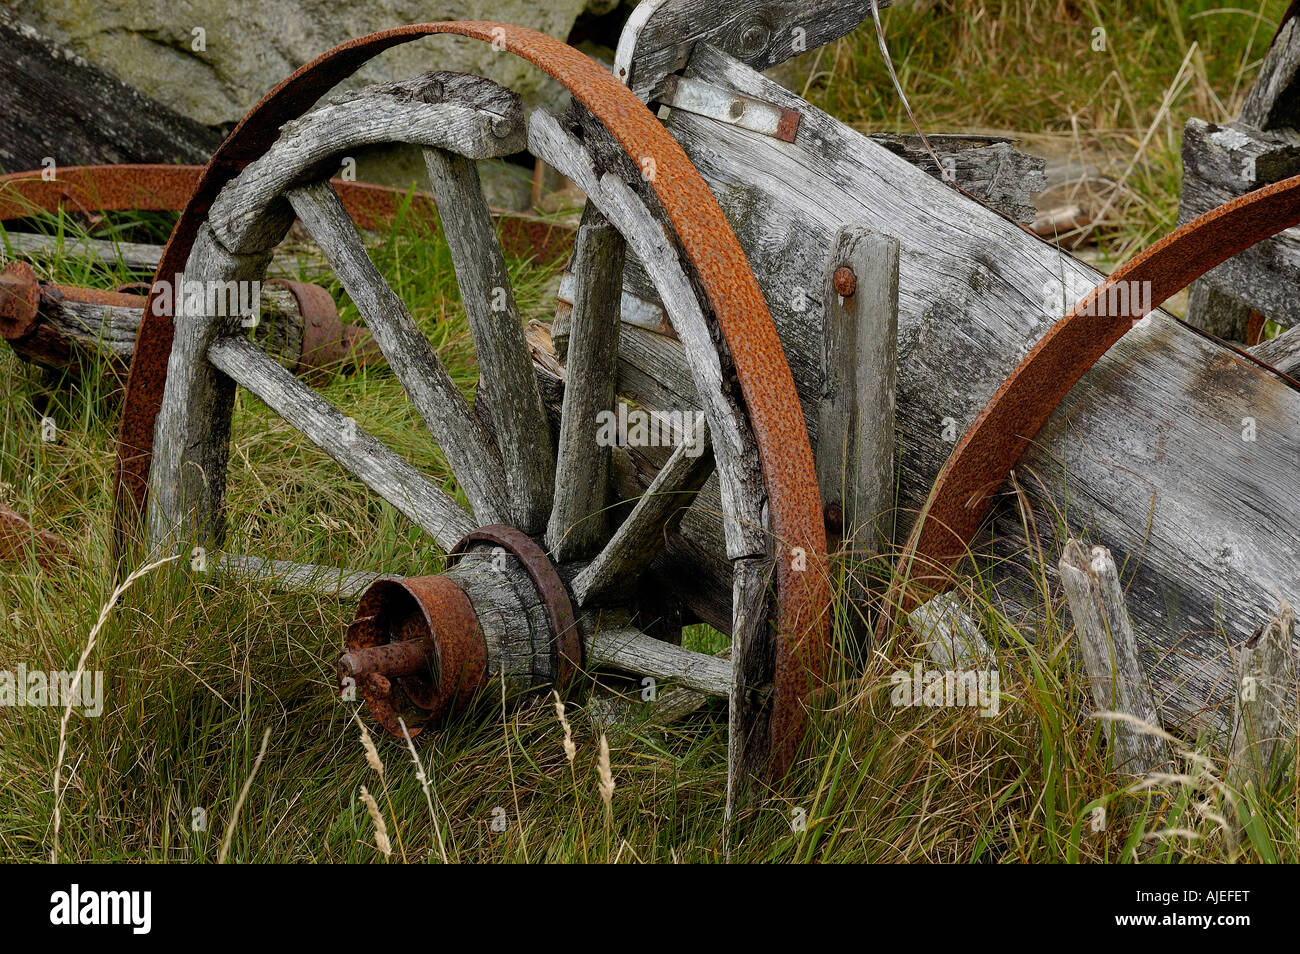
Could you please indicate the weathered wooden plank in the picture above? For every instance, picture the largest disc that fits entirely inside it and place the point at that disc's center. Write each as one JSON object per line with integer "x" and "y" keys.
{"x": 1110, "y": 655}
{"x": 361, "y": 454}
{"x": 1282, "y": 352}
{"x": 58, "y": 106}
{"x": 468, "y": 115}
{"x": 655, "y": 516}
{"x": 855, "y": 448}
{"x": 1221, "y": 162}
{"x": 506, "y": 377}
{"x": 1151, "y": 454}
{"x": 1263, "y": 717}
{"x": 579, "y": 523}
{"x": 753, "y": 656}
{"x": 631, "y": 650}
{"x": 435, "y": 395}
{"x": 1273, "y": 100}
{"x": 187, "y": 480}
{"x": 287, "y": 576}
{"x": 989, "y": 168}
{"x": 659, "y": 35}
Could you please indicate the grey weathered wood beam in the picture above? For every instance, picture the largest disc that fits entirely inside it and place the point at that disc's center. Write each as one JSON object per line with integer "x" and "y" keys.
{"x": 505, "y": 369}
{"x": 434, "y": 394}
{"x": 578, "y": 522}
{"x": 362, "y": 455}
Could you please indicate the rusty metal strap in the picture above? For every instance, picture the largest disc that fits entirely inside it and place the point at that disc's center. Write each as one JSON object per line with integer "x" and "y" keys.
{"x": 729, "y": 284}
{"x": 986, "y": 454}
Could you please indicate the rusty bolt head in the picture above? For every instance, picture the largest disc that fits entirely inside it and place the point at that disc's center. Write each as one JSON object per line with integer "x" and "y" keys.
{"x": 845, "y": 281}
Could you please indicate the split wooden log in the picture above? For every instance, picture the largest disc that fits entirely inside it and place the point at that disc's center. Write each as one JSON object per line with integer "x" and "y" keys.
{"x": 1264, "y": 719}
{"x": 1110, "y": 655}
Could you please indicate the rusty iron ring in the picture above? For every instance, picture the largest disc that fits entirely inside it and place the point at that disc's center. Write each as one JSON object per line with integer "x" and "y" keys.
{"x": 767, "y": 386}
{"x": 566, "y": 647}
{"x": 439, "y": 608}
{"x": 987, "y": 452}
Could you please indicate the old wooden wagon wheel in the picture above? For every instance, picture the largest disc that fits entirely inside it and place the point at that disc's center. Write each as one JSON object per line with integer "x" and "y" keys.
{"x": 537, "y": 556}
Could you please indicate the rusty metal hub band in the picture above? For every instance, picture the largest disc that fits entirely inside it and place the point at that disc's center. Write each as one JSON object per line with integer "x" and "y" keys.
{"x": 732, "y": 290}
{"x": 986, "y": 454}
{"x": 415, "y": 650}
{"x": 566, "y": 643}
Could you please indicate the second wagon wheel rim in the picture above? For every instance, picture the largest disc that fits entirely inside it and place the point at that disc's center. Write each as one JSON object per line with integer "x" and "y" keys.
{"x": 728, "y": 284}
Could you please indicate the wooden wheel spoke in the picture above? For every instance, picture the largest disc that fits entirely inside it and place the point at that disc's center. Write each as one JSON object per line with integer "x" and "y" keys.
{"x": 507, "y": 381}
{"x": 578, "y": 523}
{"x": 362, "y": 455}
{"x": 655, "y": 515}
{"x": 437, "y": 398}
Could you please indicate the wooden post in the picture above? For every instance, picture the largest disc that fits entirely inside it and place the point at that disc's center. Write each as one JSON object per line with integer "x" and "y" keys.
{"x": 1110, "y": 655}
{"x": 855, "y": 448}
{"x": 1266, "y": 672}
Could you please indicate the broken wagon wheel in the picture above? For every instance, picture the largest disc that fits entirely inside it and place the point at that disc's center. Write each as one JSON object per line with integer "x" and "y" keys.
{"x": 766, "y": 474}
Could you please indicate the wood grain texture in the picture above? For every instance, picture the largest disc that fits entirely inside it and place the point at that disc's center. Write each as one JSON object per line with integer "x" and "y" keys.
{"x": 753, "y": 656}
{"x": 1221, "y": 162}
{"x": 1147, "y": 454}
{"x": 359, "y": 453}
{"x": 855, "y": 445}
{"x": 1109, "y": 647}
{"x": 56, "y": 104}
{"x": 187, "y": 480}
{"x": 1264, "y": 716}
{"x": 579, "y": 523}
{"x": 446, "y": 413}
{"x": 506, "y": 378}
{"x": 468, "y": 115}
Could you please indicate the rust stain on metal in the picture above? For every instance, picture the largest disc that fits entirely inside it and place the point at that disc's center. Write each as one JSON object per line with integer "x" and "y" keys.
{"x": 20, "y": 298}
{"x": 566, "y": 643}
{"x": 802, "y": 650}
{"x": 415, "y": 650}
{"x": 985, "y": 455}
{"x": 788, "y": 128}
